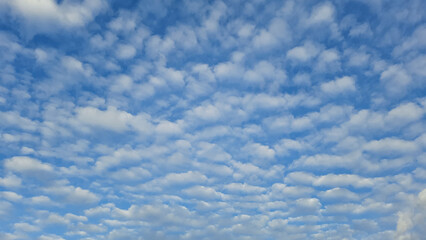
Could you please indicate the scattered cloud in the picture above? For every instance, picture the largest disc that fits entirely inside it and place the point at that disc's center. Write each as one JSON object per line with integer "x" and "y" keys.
{"x": 212, "y": 119}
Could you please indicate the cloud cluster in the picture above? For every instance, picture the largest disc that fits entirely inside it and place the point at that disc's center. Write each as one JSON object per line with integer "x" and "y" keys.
{"x": 212, "y": 119}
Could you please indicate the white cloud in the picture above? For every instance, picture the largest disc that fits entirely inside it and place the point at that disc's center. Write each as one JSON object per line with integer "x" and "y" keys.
{"x": 126, "y": 22}
{"x": 209, "y": 113}
{"x": 258, "y": 150}
{"x": 102, "y": 42}
{"x": 5, "y": 208}
{"x": 155, "y": 46}
{"x": 122, "y": 83}
{"x": 332, "y": 114}
{"x": 174, "y": 179}
{"x": 358, "y": 58}
{"x": 111, "y": 118}
{"x": 10, "y": 181}
{"x": 173, "y": 77}
{"x": 418, "y": 66}
{"x": 302, "y": 79}
{"x": 306, "y": 206}
{"x": 217, "y": 170}
{"x": 11, "y": 196}
{"x": 243, "y": 188}
{"x": 420, "y": 173}
{"x": 41, "y": 200}
{"x": 125, "y": 51}
{"x": 14, "y": 119}
{"x": 278, "y": 32}
{"x": 396, "y": 80}
{"x": 322, "y": 13}
{"x": 50, "y": 237}
{"x": 90, "y": 228}
{"x": 123, "y": 233}
{"x": 246, "y": 30}
{"x": 72, "y": 64}
{"x": 41, "y": 55}
{"x": 27, "y": 150}
{"x": 264, "y": 72}
{"x": 280, "y": 191}
{"x": 285, "y": 146}
{"x": 408, "y": 219}
{"x": 370, "y": 121}
{"x": 338, "y": 86}
{"x": 288, "y": 124}
{"x": 228, "y": 71}
{"x": 339, "y": 194}
{"x": 100, "y": 210}
{"x": 54, "y": 218}
{"x": 264, "y": 39}
{"x": 213, "y": 152}
{"x": 73, "y": 195}
{"x": 158, "y": 215}
{"x": 25, "y": 227}
{"x": 336, "y": 180}
{"x": 403, "y": 114}
{"x": 27, "y": 166}
{"x": 254, "y": 174}
{"x": 131, "y": 174}
{"x": 165, "y": 127}
{"x": 158, "y": 124}
{"x": 303, "y": 53}
{"x": 117, "y": 158}
{"x": 330, "y": 180}
{"x": 201, "y": 82}
{"x": 361, "y": 30}
{"x": 365, "y": 225}
{"x": 184, "y": 37}
{"x": 414, "y": 42}
{"x": 390, "y": 146}
{"x": 258, "y": 102}
{"x": 202, "y": 192}
{"x": 354, "y": 209}
{"x": 49, "y": 13}
{"x": 300, "y": 178}
{"x": 328, "y": 61}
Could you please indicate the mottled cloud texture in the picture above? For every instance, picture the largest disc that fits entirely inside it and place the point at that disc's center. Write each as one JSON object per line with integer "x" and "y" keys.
{"x": 212, "y": 119}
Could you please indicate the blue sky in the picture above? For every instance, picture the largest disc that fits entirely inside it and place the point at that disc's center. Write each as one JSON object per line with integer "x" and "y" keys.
{"x": 212, "y": 119}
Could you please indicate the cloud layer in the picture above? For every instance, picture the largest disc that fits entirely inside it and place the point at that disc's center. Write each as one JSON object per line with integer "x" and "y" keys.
{"x": 212, "y": 119}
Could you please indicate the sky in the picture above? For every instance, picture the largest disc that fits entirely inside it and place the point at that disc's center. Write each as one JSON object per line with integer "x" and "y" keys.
{"x": 214, "y": 119}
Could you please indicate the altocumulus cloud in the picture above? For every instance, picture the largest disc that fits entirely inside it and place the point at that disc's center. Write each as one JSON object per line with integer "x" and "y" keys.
{"x": 217, "y": 119}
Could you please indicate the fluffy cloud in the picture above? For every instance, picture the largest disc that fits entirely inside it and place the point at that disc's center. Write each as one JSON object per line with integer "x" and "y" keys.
{"x": 201, "y": 192}
{"x": 331, "y": 180}
{"x": 257, "y": 150}
{"x": 14, "y": 119}
{"x": 407, "y": 227}
{"x": 158, "y": 214}
{"x": 173, "y": 179}
{"x": 49, "y": 12}
{"x": 414, "y": 42}
{"x": 73, "y": 195}
{"x": 27, "y": 166}
{"x": 277, "y": 32}
{"x": 396, "y": 80}
{"x": 244, "y": 188}
{"x": 212, "y": 119}
{"x": 321, "y": 13}
{"x": 10, "y": 181}
{"x": 303, "y": 53}
{"x": 111, "y": 118}
{"x": 339, "y": 86}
